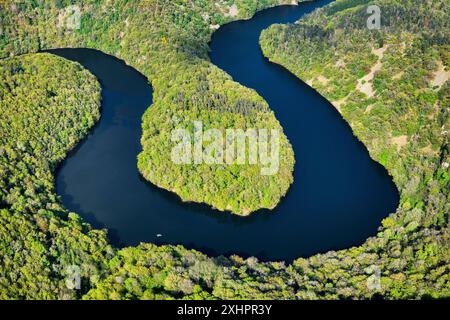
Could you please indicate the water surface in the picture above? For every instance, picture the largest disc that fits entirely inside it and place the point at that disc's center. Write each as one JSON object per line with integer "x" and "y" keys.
{"x": 337, "y": 200}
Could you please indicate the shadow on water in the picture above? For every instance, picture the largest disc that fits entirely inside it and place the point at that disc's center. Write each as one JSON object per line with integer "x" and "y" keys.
{"x": 338, "y": 199}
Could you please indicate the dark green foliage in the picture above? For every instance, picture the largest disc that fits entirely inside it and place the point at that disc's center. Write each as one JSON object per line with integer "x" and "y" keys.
{"x": 404, "y": 121}
{"x": 168, "y": 42}
{"x": 49, "y": 104}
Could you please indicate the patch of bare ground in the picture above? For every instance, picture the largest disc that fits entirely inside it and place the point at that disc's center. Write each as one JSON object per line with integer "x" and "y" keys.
{"x": 399, "y": 141}
{"x": 369, "y": 108}
{"x": 323, "y": 80}
{"x": 440, "y": 76}
{"x": 339, "y": 103}
{"x": 233, "y": 11}
{"x": 340, "y": 64}
{"x": 365, "y": 83}
{"x": 428, "y": 150}
{"x": 435, "y": 111}
{"x": 399, "y": 75}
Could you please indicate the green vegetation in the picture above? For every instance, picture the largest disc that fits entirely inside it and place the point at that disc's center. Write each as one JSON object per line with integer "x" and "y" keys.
{"x": 47, "y": 105}
{"x": 389, "y": 85}
{"x": 39, "y": 239}
{"x": 167, "y": 41}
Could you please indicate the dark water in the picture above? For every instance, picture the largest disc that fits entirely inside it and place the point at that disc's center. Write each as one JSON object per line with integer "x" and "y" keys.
{"x": 338, "y": 199}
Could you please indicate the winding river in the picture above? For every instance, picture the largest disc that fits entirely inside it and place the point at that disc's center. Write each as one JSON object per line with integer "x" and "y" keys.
{"x": 337, "y": 201}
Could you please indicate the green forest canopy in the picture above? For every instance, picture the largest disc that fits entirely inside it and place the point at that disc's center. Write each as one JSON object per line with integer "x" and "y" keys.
{"x": 171, "y": 50}
{"x": 39, "y": 239}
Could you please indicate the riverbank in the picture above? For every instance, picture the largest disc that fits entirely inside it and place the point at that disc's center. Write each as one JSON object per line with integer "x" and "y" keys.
{"x": 370, "y": 77}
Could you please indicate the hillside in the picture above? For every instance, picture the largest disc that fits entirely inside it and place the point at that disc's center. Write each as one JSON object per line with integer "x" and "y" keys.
{"x": 391, "y": 85}
{"x": 171, "y": 51}
{"x": 40, "y": 240}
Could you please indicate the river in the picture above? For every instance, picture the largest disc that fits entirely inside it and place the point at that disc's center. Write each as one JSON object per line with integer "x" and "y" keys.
{"x": 338, "y": 198}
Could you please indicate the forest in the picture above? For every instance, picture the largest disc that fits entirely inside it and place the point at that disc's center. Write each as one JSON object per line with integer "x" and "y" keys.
{"x": 391, "y": 85}
{"x": 172, "y": 52}
{"x": 400, "y": 112}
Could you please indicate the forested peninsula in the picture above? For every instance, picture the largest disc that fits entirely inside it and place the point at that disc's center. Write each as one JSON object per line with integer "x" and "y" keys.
{"x": 167, "y": 42}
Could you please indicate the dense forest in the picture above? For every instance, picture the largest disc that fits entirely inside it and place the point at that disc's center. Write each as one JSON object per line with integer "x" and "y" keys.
{"x": 47, "y": 105}
{"x": 391, "y": 85}
{"x": 171, "y": 51}
{"x": 39, "y": 239}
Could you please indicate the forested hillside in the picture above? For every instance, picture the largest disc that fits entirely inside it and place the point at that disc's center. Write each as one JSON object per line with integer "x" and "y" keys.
{"x": 391, "y": 85}
{"x": 47, "y": 105}
{"x": 167, "y": 41}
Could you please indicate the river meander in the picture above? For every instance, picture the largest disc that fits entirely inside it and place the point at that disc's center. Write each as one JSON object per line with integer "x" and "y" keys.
{"x": 338, "y": 198}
